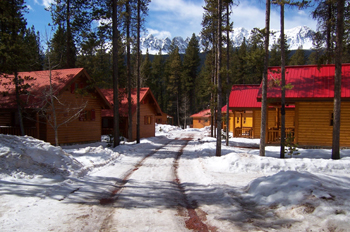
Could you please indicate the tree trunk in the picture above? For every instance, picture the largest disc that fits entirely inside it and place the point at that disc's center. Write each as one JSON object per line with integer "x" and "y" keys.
{"x": 115, "y": 23}
{"x": 228, "y": 74}
{"x": 69, "y": 55}
{"x": 128, "y": 68}
{"x": 138, "y": 71}
{"x": 337, "y": 80}
{"x": 219, "y": 44}
{"x": 55, "y": 127}
{"x": 19, "y": 106}
{"x": 283, "y": 90}
{"x": 264, "y": 82}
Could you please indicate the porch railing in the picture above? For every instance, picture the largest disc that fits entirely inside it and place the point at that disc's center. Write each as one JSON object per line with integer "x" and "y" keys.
{"x": 244, "y": 132}
{"x": 30, "y": 131}
{"x": 274, "y": 135}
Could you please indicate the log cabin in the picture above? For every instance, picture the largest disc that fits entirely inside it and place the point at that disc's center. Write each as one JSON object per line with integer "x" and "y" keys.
{"x": 245, "y": 118}
{"x": 201, "y": 119}
{"x": 164, "y": 118}
{"x": 77, "y": 106}
{"x": 311, "y": 90}
{"x": 149, "y": 110}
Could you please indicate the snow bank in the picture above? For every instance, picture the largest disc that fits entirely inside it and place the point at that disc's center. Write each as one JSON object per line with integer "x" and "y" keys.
{"x": 23, "y": 156}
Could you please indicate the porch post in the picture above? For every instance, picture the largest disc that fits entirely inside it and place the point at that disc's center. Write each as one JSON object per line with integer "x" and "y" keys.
{"x": 296, "y": 123}
{"x": 267, "y": 124}
{"x": 234, "y": 123}
{"x": 37, "y": 126}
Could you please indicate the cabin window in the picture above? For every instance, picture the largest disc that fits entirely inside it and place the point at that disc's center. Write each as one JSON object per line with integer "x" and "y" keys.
{"x": 244, "y": 120}
{"x": 148, "y": 120}
{"x": 87, "y": 115}
{"x": 331, "y": 117}
{"x": 75, "y": 86}
{"x": 237, "y": 119}
{"x": 206, "y": 120}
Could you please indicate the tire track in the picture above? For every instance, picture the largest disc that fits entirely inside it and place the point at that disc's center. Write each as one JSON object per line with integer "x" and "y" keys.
{"x": 194, "y": 220}
{"x": 114, "y": 195}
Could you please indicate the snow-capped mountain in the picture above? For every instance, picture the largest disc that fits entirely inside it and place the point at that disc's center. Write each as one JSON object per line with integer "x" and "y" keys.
{"x": 298, "y": 36}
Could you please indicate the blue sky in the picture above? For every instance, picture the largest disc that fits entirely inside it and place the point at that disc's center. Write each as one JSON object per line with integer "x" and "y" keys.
{"x": 170, "y": 18}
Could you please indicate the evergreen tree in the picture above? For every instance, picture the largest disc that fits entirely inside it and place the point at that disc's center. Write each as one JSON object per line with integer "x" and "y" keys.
{"x": 74, "y": 17}
{"x": 255, "y": 57}
{"x": 190, "y": 71}
{"x": 157, "y": 82}
{"x": 299, "y": 57}
{"x": 275, "y": 53}
{"x": 15, "y": 51}
{"x": 241, "y": 68}
{"x": 317, "y": 50}
{"x": 146, "y": 70}
{"x": 174, "y": 84}
{"x": 325, "y": 14}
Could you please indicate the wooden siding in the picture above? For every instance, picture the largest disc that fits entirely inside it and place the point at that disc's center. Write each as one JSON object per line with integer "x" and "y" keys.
{"x": 78, "y": 131}
{"x": 231, "y": 121}
{"x": 146, "y": 130}
{"x": 256, "y": 123}
{"x": 313, "y": 127}
{"x": 201, "y": 122}
{"x": 5, "y": 118}
{"x": 272, "y": 122}
{"x": 246, "y": 119}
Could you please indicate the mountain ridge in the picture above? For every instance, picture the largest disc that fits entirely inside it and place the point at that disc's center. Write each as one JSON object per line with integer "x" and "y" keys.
{"x": 297, "y": 36}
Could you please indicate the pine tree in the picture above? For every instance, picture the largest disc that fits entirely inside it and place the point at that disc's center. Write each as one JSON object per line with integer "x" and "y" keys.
{"x": 174, "y": 83}
{"x": 190, "y": 71}
{"x": 255, "y": 57}
{"x": 157, "y": 82}
{"x": 325, "y": 14}
{"x": 13, "y": 48}
{"x": 74, "y": 17}
{"x": 146, "y": 70}
{"x": 299, "y": 57}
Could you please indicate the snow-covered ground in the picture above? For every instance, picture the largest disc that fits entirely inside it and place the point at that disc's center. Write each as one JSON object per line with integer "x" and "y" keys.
{"x": 47, "y": 188}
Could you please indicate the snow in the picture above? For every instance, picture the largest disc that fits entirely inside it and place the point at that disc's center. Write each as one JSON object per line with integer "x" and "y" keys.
{"x": 48, "y": 188}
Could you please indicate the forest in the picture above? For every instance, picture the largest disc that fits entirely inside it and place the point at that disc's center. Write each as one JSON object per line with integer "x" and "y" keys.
{"x": 183, "y": 84}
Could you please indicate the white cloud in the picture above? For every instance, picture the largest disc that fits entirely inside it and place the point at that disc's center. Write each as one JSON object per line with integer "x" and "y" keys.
{"x": 180, "y": 17}
{"x": 249, "y": 16}
{"x": 181, "y": 8}
{"x": 47, "y": 3}
{"x": 159, "y": 34}
{"x": 30, "y": 8}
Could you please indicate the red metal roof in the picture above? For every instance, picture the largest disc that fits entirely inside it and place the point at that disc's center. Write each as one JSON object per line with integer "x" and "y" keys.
{"x": 244, "y": 96}
{"x": 308, "y": 82}
{"x": 39, "y": 82}
{"x": 124, "y": 106}
{"x": 202, "y": 114}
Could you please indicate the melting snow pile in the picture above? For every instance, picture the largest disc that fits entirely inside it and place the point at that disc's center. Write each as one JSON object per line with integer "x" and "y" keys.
{"x": 21, "y": 157}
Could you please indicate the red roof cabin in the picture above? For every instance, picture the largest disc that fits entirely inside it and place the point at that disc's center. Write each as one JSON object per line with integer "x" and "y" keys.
{"x": 246, "y": 113}
{"x": 149, "y": 110}
{"x": 312, "y": 92}
{"x": 201, "y": 119}
{"x": 77, "y": 106}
